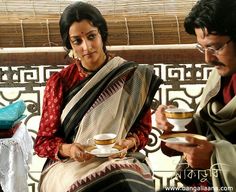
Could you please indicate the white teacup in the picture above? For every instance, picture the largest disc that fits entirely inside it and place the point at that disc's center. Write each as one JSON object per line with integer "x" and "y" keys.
{"x": 179, "y": 117}
{"x": 104, "y": 141}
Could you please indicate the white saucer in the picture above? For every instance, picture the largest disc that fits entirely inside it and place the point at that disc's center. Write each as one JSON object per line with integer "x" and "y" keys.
{"x": 104, "y": 153}
{"x": 179, "y": 138}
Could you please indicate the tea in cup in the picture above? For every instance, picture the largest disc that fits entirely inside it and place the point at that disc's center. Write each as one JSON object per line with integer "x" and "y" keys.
{"x": 104, "y": 141}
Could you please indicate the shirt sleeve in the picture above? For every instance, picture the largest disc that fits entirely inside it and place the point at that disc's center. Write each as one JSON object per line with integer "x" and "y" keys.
{"x": 142, "y": 130}
{"x": 47, "y": 142}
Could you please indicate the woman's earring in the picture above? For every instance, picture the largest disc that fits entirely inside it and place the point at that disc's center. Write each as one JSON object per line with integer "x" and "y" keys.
{"x": 73, "y": 55}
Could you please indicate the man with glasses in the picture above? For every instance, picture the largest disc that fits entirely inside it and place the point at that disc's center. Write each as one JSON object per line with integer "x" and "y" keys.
{"x": 212, "y": 162}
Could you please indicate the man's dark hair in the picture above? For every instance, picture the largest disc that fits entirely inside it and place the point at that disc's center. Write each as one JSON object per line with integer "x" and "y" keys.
{"x": 217, "y": 16}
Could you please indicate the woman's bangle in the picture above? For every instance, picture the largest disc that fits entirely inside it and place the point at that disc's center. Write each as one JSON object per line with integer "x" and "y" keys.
{"x": 59, "y": 155}
{"x": 133, "y": 139}
{"x": 65, "y": 150}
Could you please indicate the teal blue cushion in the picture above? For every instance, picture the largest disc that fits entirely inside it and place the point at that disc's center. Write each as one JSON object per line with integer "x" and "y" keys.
{"x": 12, "y": 114}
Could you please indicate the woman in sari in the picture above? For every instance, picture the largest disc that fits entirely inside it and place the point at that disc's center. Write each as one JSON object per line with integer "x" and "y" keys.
{"x": 97, "y": 93}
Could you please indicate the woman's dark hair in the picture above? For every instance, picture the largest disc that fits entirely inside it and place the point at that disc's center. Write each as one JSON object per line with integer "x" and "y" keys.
{"x": 217, "y": 16}
{"x": 79, "y": 11}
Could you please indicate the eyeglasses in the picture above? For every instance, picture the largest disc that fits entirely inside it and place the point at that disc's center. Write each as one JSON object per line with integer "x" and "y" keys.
{"x": 212, "y": 50}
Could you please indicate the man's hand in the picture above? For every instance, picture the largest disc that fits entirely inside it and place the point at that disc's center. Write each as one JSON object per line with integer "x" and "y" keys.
{"x": 197, "y": 153}
{"x": 161, "y": 121}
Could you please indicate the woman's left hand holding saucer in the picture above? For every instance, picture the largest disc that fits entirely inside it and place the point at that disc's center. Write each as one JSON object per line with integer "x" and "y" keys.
{"x": 128, "y": 143}
{"x": 197, "y": 153}
{"x": 125, "y": 145}
{"x": 121, "y": 154}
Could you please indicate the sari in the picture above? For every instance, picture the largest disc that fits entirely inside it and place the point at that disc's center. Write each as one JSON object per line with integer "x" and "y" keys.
{"x": 111, "y": 100}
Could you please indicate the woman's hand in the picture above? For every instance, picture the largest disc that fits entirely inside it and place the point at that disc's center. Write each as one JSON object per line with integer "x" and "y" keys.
{"x": 75, "y": 151}
{"x": 197, "y": 154}
{"x": 125, "y": 144}
{"x": 129, "y": 143}
{"x": 161, "y": 121}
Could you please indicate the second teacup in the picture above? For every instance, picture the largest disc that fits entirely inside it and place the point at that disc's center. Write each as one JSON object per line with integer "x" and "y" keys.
{"x": 179, "y": 117}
